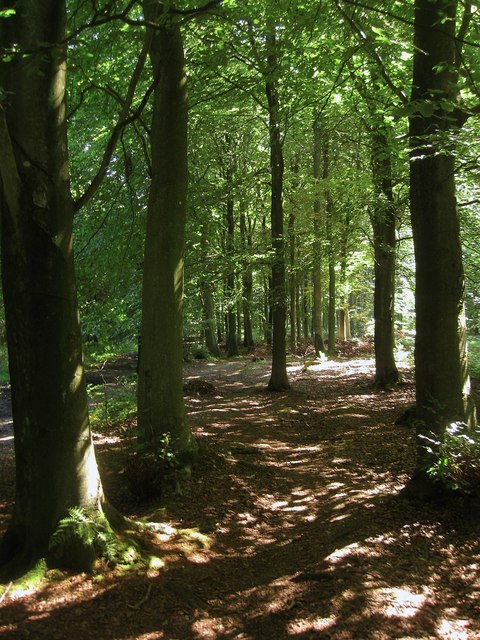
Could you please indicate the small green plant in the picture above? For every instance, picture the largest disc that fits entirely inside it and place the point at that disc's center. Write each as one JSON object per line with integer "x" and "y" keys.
{"x": 112, "y": 406}
{"x": 4, "y": 373}
{"x": 152, "y": 467}
{"x": 457, "y": 462}
{"x": 196, "y": 351}
{"x": 81, "y": 537}
{"x": 474, "y": 356}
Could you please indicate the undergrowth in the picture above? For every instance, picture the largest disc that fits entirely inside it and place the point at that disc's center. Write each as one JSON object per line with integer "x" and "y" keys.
{"x": 457, "y": 463}
{"x": 112, "y": 406}
{"x": 80, "y": 538}
{"x": 474, "y": 356}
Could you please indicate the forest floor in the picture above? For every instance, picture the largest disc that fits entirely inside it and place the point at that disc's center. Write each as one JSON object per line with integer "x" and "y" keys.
{"x": 291, "y": 526}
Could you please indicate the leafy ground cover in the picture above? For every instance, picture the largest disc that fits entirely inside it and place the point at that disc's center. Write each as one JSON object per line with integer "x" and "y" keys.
{"x": 292, "y": 525}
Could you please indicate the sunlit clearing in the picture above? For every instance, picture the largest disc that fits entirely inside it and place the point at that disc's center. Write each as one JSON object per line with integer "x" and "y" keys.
{"x": 213, "y": 628}
{"x": 155, "y": 565}
{"x": 305, "y": 625}
{"x": 398, "y": 602}
{"x": 294, "y": 368}
{"x": 454, "y": 630}
{"x": 339, "y": 554}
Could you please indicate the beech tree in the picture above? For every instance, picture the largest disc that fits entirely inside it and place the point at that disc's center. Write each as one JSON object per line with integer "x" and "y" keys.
{"x": 161, "y": 409}
{"x": 441, "y": 367}
{"x": 55, "y": 460}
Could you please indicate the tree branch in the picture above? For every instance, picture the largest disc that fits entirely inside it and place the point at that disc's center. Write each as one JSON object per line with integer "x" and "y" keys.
{"x": 371, "y": 50}
{"x": 122, "y": 122}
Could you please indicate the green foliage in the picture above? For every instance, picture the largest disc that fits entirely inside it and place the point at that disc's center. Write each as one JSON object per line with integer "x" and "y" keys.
{"x": 196, "y": 351}
{"x": 88, "y": 536}
{"x": 112, "y": 407}
{"x": 457, "y": 463}
{"x": 152, "y": 467}
{"x": 474, "y": 356}
{"x": 4, "y": 373}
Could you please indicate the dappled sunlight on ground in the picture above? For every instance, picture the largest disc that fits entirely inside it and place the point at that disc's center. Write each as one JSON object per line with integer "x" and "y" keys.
{"x": 291, "y": 526}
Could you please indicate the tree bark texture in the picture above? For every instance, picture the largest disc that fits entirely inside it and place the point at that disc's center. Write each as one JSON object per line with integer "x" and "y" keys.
{"x": 232, "y": 342}
{"x": 442, "y": 381}
{"x": 161, "y": 408}
{"x": 383, "y": 220}
{"x": 278, "y": 378}
{"x": 55, "y": 461}
{"x": 332, "y": 284}
{"x": 317, "y": 244}
{"x": 247, "y": 280}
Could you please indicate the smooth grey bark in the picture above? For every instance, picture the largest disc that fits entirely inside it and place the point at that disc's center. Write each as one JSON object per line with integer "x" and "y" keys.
{"x": 317, "y": 244}
{"x": 441, "y": 367}
{"x": 247, "y": 279}
{"x": 332, "y": 282}
{"x": 161, "y": 408}
{"x": 278, "y": 378}
{"x": 383, "y": 219}
{"x": 55, "y": 461}
{"x": 231, "y": 325}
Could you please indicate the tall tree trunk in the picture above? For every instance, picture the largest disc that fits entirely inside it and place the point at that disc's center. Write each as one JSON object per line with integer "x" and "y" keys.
{"x": 317, "y": 244}
{"x": 55, "y": 461}
{"x": 441, "y": 371}
{"x": 232, "y": 343}
{"x": 293, "y": 281}
{"x": 383, "y": 219}
{"x": 298, "y": 307}
{"x": 247, "y": 280}
{"x": 206, "y": 293}
{"x": 161, "y": 408}
{"x": 332, "y": 310}
{"x": 278, "y": 378}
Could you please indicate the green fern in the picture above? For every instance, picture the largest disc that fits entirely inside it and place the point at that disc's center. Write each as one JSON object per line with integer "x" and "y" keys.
{"x": 91, "y": 530}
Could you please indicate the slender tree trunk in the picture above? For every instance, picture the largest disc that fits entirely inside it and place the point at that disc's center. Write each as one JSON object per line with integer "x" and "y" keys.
{"x": 293, "y": 281}
{"x": 278, "y": 379}
{"x": 247, "y": 280}
{"x": 55, "y": 461}
{"x": 441, "y": 369}
{"x": 206, "y": 294}
{"x": 332, "y": 310}
{"x": 210, "y": 323}
{"x": 348, "y": 328}
{"x": 298, "y": 307}
{"x": 383, "y": 219}
{"x": 317, "y": 244}
{"x": 305, "y": 310}
{"x": 232, "y": 343}
{"x": 161, "y": 408}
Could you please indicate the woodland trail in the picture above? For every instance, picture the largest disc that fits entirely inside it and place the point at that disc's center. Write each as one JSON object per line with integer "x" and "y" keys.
{"x": 290, "y": 527}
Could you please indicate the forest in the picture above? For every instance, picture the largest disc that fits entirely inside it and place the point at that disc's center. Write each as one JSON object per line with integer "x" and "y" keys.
{"x": 240, "y": 319}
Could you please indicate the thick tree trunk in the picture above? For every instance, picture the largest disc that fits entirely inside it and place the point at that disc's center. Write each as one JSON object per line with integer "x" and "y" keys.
{"x": 383, "y": 219}
{"x": 55, "y": 461}
{"x": 441, "y": 371}
{"x": 278, "y": 378}
{"x": 161, "y": 409}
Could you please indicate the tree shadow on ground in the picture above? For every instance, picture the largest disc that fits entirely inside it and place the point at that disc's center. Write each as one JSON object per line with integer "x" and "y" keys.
{"x": 299, "y": 494}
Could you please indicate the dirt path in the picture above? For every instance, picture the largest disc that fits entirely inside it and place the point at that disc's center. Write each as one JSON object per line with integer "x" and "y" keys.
{"x": 303, "y": 533}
